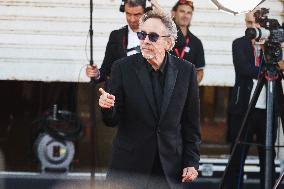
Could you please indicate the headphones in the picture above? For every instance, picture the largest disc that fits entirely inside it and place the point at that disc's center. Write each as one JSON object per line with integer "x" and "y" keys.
{"x": 122, "y": 6}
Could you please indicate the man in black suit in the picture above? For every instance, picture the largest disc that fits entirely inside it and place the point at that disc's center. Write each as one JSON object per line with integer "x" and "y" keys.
{"x": 248, "y": 61}
{"x": 154, "y": 102}
{"x": 122, "y": 42}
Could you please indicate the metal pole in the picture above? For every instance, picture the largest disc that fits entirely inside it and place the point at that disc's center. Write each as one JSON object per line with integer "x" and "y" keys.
{"x": 93, "y": 99}
{"x": 91, "y": 33}
{"x": 269, "y": 138}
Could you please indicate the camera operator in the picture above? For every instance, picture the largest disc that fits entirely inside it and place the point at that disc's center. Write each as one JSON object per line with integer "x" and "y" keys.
{"x": 248, "y": 61}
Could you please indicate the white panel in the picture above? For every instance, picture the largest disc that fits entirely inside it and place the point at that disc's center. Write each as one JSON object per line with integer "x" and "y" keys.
{"x": 45, "y": 40}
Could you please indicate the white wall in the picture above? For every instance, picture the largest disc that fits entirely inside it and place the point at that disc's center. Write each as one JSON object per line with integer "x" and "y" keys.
{"x": 45, "y": 40}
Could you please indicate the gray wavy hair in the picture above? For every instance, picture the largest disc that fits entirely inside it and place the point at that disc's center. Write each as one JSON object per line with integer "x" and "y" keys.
{"x": 166, "y": 20}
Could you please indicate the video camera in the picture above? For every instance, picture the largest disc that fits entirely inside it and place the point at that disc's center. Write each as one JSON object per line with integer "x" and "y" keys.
{"x": 270, "y": 32}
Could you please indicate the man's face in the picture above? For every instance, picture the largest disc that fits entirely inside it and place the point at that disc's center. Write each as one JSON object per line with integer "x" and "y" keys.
{"x": 250, "y": 21}
{"x": 133, "y": 14}
{"x": 150, "y": 49}
{"x": 183, "y": 15}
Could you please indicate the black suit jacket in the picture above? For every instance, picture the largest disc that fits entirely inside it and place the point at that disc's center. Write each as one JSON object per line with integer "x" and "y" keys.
{"x": 245, "y": 72}
{"x": 115, "y": 50}
{"x": 175, "y": 136}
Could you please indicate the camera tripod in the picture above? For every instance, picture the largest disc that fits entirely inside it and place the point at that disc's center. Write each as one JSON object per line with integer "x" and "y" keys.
{"x": 271, "y": 76}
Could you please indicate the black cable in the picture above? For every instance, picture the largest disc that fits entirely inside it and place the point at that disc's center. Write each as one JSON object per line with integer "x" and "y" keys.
{"x": 61, "y": 117}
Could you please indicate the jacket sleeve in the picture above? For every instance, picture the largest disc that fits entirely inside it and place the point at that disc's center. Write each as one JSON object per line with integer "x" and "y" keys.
{"x": 108, "y": 58}
{"x": 241, "y": 62}
{"x": 190, "y": 124}
{"x": 112, "y": 116}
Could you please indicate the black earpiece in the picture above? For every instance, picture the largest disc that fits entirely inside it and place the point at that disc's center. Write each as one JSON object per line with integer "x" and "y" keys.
{"x": 122, "y": 6}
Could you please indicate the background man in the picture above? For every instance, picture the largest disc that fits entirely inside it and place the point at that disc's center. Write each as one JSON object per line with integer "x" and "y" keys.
{"x": 188, "y": 46}
{"x": 248, "y": 61}
{"x": 154, "y": 102}
{"x": 122, "y": 42}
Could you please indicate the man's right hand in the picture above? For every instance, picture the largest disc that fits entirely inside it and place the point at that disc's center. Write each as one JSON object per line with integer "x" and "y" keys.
{"x": 106, "y": 100}
{"x": 93, "y": 72}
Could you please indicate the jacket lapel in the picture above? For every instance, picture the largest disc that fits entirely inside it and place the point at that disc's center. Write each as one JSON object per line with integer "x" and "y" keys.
{"x": 170, "y": 80}
{"x": 144, "y": 78}
{"x": 123, "y": 41}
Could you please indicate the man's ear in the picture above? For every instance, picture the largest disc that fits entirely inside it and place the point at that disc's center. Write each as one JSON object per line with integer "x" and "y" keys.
{"x": 173, "y": 13}
{"x": 170, "y": 43}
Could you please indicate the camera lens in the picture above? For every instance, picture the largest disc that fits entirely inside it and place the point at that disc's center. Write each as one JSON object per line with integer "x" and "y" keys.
{"x": 251, "y": 33}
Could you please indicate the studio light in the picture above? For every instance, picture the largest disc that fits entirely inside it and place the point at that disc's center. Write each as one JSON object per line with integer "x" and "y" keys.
{"x": 236, "y": 6}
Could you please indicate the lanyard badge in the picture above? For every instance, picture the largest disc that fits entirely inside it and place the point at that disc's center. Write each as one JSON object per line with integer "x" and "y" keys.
{"x": 185, "y": 49}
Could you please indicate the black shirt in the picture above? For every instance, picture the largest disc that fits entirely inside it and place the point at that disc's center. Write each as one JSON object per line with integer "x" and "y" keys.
{"x": 161, "y": 71}
{"x": 194, "y": 52}
{"x": 157, "y": 78}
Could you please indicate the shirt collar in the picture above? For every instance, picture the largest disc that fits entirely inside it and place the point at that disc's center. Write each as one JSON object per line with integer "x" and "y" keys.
{"x": 188, "y": 33}
{"x": 162, "y": 67}
{"x": 130, "y": 31}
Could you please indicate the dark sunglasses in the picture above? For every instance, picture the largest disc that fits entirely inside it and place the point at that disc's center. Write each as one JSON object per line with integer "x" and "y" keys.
{"x": 153, "y": 37}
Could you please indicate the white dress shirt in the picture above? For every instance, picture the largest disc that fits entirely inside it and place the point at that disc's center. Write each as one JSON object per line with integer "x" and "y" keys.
{"x": 133, "y": 42}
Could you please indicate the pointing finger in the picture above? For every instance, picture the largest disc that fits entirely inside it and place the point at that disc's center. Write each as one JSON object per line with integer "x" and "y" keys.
{"x": 102, "y": 91}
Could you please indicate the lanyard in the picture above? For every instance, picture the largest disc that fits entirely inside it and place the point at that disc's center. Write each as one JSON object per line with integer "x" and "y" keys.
{"x": 258, "y": 60}
{"x": 256, "y": 57}
{"x": 181, "y": 55}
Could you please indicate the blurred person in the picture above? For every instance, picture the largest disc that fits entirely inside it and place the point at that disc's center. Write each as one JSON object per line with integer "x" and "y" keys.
{"x": 154, "y": 102}
{"x": 188, "y": 46}
{"x": 248, "y": 63}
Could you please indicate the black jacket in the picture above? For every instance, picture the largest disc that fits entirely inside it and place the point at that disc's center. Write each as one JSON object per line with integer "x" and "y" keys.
{"x": 141, "y": 134}
{"x": 115, "y": 50}
{"x": 245, "y": 72}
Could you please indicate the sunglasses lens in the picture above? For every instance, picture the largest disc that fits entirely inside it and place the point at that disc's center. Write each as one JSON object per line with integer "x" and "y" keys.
{"x": 153, "y": 37}
{"x": 141, "y": 35}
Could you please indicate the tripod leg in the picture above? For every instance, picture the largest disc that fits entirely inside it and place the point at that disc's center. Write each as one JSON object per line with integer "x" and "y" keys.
{"x": 278, "y": 182}
{"x": 238, "y": 147}
{"x": 269, "y": 146}
{"x": 280, "y": 110}
{"x": 280, "y": 99}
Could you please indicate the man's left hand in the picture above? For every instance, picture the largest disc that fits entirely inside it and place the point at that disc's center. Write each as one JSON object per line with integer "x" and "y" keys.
{"x": 189, "y": 174}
